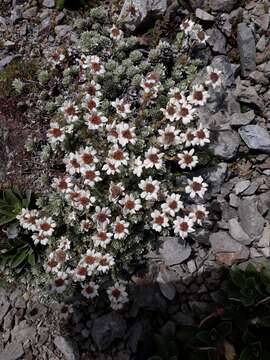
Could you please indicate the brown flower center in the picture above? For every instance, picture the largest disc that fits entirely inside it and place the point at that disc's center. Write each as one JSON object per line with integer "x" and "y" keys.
{"x": 169, "y": 137}
{"x": 45, "y": 226}
{"x": 196, "y": 186}
{"x": 153, "y": 158}
{"x": 90, "y": 175}
{"x": 129, "y": 204}
{"x": 62, "y": 184}
{"x": 89, "y": 260}
{"x": 87, "y": 158}
{"x": 188, "y": 159}
{"x": 200, "y": 215}
{"x": 184, "y": 111}
{"x": 149, "y": 188}
{"x": 101, "y": 217}
{"x": 74, "y": 163}
{"x": 119, "y": 228}
{"x": 184, "y": 226}
{"x": 201, "y": 35}
{"x": 95, "y": 66}
{"x": 81, "y": 271}
{"x": 94, "y": 119}
{"x": 118, "y": 155}
{"x": 116, "y": 293}
{"x": 70, "y": 110}
{"x": 59, "y": 282}
{"x": 159, "y": 220}
{"x": 200, "y": 134}
{"x": 198, "y": 95}
{"x": 56, "y": 132}
{"x": 214, "y": 77}
{"x": 127, "y": 134}
{"x": 102, "y": 236}
{"x": 88, "y": 289}
{"x": 173, "y": 204}
{"x": 84, "y": 200}
{"x": 91, "y": 104}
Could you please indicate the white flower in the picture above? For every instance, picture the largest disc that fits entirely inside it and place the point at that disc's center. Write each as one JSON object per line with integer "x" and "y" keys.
{"x": 214, "y": 77}
{"x": 80, "y": 273}
{"x": 117, "y": 295}
{"x": 56, "y": 133}
{"x": 92, "y": 89}
{"x": 101, "y": 216}
{"x": 137, "y": 166}
{"x": 150, "y": 188}
{"x": 60, "y": 283}
{"x": 176, "y": 95}
{"x": 90, "y": 103}
{"x": 198, "y": 96}
{"x": 85, "y": 200}
{"x": 188, "y": 138}
{"x": 187, "y": 26}
{"x": 87, "y": 157}
{"x": 52, "y": 265}
{"x": 86, "y": 225}
{"x": 102, "y": 238}
{"x": 171, "y": 111}
{"x": 153, "y": 159}
{"x": 28, "y": 219}
{"x": 64, "y": 243}
{"x": 126, "y": 134}
{"x": 94, "y": 64}
{"x": 122, "y": 108}
{"x": 91, "y": 176}
{"x": 105, "y": 262}
{"x": 115, "y": 33}
{"x": 110, "y": 167}
{"x": 95, "y": 120}
{"x": 70, "y": 110}
{"x": 151, "y": 84}
{"x": 130, "y": 204}
{"x": 196, "y": 186}
{"x": 40, "y": 239}
{"x": 199, "y": 214}
{"x": 72, "y": 163}
{"x": 90, "y": 290}
{"x": 118, "y": 156}
{"x": 201, "y": 36}
{"x": 187, "y": 159}
{"x": 183, "y": 226}
{"x": 63, "y": 184}
{"x": 115, "y": 191}
{"x": 90, "y": 260}
{"x": 169, "y": 136}
{"x": 160, "y": 220}
{"x": 46, "y": 226}
{"x": 120, "y": 228}
{"x": 201, "y": 136}
{"x": 57, "y": 57}
{"x": 172, "y": 205}
{"x": 113, "y": 134}
{"x": 185, "y": 113}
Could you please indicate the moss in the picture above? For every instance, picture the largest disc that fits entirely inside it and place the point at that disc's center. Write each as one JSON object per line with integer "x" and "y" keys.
{"x": 18, "y": 68}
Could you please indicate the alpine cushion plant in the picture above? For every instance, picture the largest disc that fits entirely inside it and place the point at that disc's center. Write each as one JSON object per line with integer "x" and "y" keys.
{"x": 126, "y": 124}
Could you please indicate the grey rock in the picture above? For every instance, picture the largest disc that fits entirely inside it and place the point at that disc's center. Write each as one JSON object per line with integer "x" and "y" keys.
{"x": 247, "y": 49}
{"x": 6, "y": 60}
{"x": 234, "y": 200}
{"x": 16, "y": 15}
{"x": 107, "y": 328}
{"x": 166, "y": 287}
{"x": 238, "y": 233}
{"x": 13, "y": 351}
{"x": 173, "y": 251}
{"x": 251, "y": 189}
{"x": 240, "y": 119}
{"x": 226, "y": 249}
{"x": 226, "y": 145}
{"x": 67, "y": 347}
{"x": 248, "y": 94}
{"x": 222, "y": 63}
{"x": 62, "y": 30}
{"x": 258, "y": 77}
{"x": 59, "y": 18}
{"x": 241, "y": 186}
{"x": 262, "y": 21}
{"x": 250, "y": 219}
{"x": 223, "y": 5}
{"x": 216, "y": 177}
{"x": 264, "y": 241}
{"x": 264, "y": 202}
{"x": 45, "y": 25}
{"x": 144, "y": 12}
{"x": 256, "y": 137}
{"x": 217, "y": 41}
{"x": 30, "y": 13}
{"x": 203, "y": 15}
{"x": 4, "y": 307}
{"x": 48, "y": 3}
{"x": 261, "y": 44}
{"x": 225, "y": 24}
{"x": 9, "y": 319}
{"x": 22, "y": 333}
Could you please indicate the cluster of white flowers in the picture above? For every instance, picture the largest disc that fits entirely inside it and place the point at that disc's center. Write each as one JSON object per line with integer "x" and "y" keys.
{"x": 114, "y": 175}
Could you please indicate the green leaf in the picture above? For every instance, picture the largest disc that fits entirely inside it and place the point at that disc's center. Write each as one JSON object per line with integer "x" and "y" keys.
{"x": 224, "y": 328}
{"x": 238, "y": 278}
{"x": 31, "y": 258}
{"x": 245, "y": 354}
{"x": 251, "y": 269}
{"x": 10, "y": 197}
{"x": 19, "y": 258}
{"x": 203, "y": 336}
{"x": 5, "y": 219}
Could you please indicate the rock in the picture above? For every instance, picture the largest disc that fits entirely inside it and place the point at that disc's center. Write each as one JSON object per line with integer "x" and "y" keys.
{"x": 264, "y": 202}
{"x": 250, "y": 219}
{"x": 258, "y": 77}
{"x": 13, "y": 351}
{"x": 22, "y": 333}
{"x": 222, "y": 63}
{"x": 6, "y": 60}
{"x": 48, "y": 3}
{"x": 142, "y": 12}
{"x": 62, "y": 30}
{"x": 262, "y": 21}
{"x": 173, "y": 251}
{"x": 241, "y": 186}
{"x": 4, "y": 307}
{"x": 30, "y": 13}
{"x": 240, "y": 119}
{"x": 247, "y": 49}
{"x": 238, "y": 233}
{"x": 217, "y": 41}
{"x": 261, "y": 44}
{"x": 107, "y": 328}
{"x": 45, "y": 25}
{"x": 9, "y": 319}
{"x": 226, "y": 145}
{"x": 166, "y": 287}
{"x": 264, "y": 241}
{"x": 203, "y": 15}
{"x": 248, "y": 94}
{"x": 216, "y": 177}
{"x": 234, "y": 200}
{"x": 225, "y": 25}
{"x": 256, "y": 137}
{"x": 227, "y": 250}
{"x": 67, "y": 347}
{"x": 223, "y": 5}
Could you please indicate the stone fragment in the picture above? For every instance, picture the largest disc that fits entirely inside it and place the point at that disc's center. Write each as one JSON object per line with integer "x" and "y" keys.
{"x": 22, "y": 333}
{"x": 227, "y": 250}
{"x": 240, "y": 119}
{"x": 241, "y": 186}
{"x": 222, "y": 63}
{"x": 6, "y": 60}
{"x": 262, "y": 21}
{"x": 248, "y": 94}
{"x": 216, "y": 176}
{"x": 4, "y": 307}
{"x": 264, "y": 202}
{"x": 107, "y": 328}
{"x": 203, "y": 15}
{"x": 67, "y": 347}
{"x": 166, "y": 287}
{"x": 13, "y": 351}
{"x": 138, "y": 13}
{"x": 48, "y": 3}
{"x": 223, "y": 5}
{"x": 247, "y": 48}
{"x": 261, "y": 44}
{"x": 62, "y": 30}
{"x": 226, "y": 145}
{"x": 238, "y": 233}
{"x": 264, "y": 241}
{"x": 217, "y": 41}
{"x": 250, "y": 219}
{"x": 234, "y": 200}
{"x": 256, "y": 137}
{"x": 173, "y": 251}
{"x": 30, "y": 13}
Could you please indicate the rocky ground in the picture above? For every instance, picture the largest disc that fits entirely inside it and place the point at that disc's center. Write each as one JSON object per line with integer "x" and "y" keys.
{"x": 238, "y": 229}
